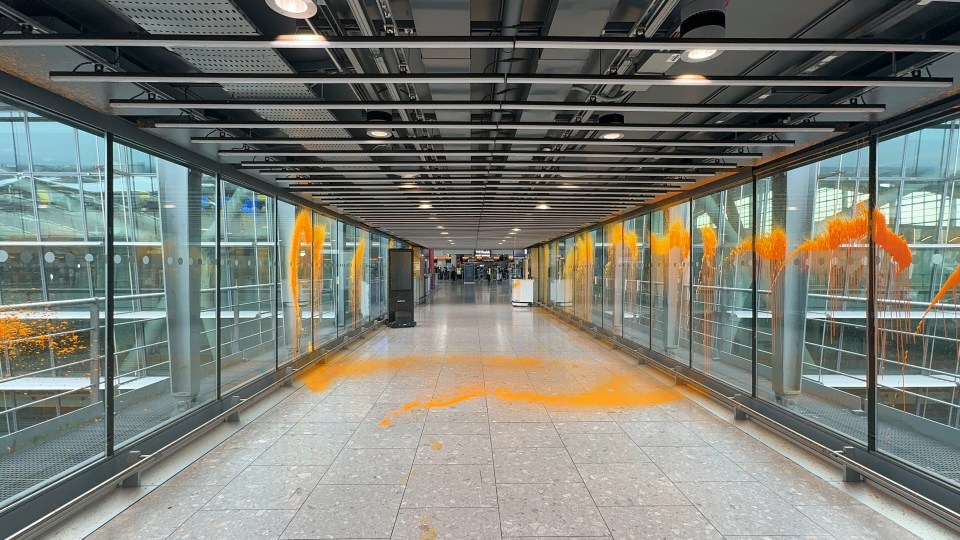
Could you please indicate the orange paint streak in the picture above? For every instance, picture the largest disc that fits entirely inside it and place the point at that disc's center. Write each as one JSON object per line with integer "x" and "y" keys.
{"x": 321, "y": 376}
{"x": 894, "y": 244}
{"x": 613, "y": 392}
{"x": 953, "y": 281}
{"x": 302, "y": 233}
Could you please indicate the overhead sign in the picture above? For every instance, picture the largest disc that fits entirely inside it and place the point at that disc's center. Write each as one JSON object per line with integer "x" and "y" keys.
{"x": 481, "y": 253}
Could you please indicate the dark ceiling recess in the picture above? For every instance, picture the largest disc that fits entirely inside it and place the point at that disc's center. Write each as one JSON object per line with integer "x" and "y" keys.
{"x": 541, "y": 115}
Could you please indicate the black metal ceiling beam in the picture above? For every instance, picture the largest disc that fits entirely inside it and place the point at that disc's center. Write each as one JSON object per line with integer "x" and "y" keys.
{"x": 313, "y": 41}
{"x": 240, "y": 104}
{"x": 492, "y": 141}
{"x": 474, "y": 78}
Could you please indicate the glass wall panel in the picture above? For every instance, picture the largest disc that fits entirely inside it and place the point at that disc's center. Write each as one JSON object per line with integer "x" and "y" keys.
{"x": 325, "y": 279}
{"x": 298, "y": 263}
{"x": 248, "y": 285}
{"x": 612, "y": 288}
{"x": 811, "y": 253}
{"x": 165, "y": 226}
{"x": 364, "y": 275}
{"x": 636, "y": 280}
{"x": 52, "y": 284}
{"x": 351, "y": 270}
{"x": 377, "y": 299}
{"x": 722, "y": 291}
{"x": 596, "y": 263}
{"x": 670, "y": 281}
{"x": 918, "y": 272}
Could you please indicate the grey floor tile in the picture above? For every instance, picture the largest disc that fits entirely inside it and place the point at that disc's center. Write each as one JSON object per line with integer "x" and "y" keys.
{"x": 499, "y": 412}
{"x": 370, "y": 435}
{"x": 549, "y": 510}
{"x": 534, "y": 466}
{"x": 449, "y": 523}
{"x": 323, "y": 428}
{"x": 446, "y": 486}
{"x": 217, "y": 524}
{"x": 798, "y": 486}
{"x": 370, "y": 466}
{"x": 659, "y": 522}
{"x": 747, "y": 508}
{"x": 660, "y": 434}
{"x": 268, "y": 488}
{"x": 158, "y": 514}
{"x": 440, "y": 428}
{"x": 351, "y": 511}
{"x": 603, "y": 448}
{"x": 696, "y": 464}
{"x": 319, "y": 449}
{"x": 587, "y": 427}
{"x": 524, "y": 435}
{"x": 216, "y": 468}
{"x": 454, "y": 449}
{"x": 630, "y": 484}
{"x": 855, "y": 522}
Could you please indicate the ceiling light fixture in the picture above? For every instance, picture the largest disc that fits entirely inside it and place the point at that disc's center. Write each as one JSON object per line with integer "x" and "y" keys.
{"x": 408, "y": 185}
{"x": 295, "y": 9}
{"x": 515, "y": 229}
{"x": 704, "y": 20}
{"x": 612, "y": 119}
{"x": 425, "y": 206}
{"x": 379, "y": 117}
{"x": 444, "y": 233}
{"x": 542, "y": 206}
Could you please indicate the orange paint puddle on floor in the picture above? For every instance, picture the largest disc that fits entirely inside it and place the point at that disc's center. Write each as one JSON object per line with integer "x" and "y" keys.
{"x": 435, "y": 444}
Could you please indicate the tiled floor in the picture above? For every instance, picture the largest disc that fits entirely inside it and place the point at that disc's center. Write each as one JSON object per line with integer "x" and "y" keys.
{"x": 320, "y": 464}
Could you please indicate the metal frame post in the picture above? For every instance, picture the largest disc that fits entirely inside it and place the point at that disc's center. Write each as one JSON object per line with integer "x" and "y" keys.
{"x": 109, "y": 346}
{"x": 870, "y": 325}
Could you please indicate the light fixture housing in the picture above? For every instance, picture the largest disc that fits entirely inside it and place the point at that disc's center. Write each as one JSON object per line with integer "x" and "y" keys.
{"x": 543, "y": 206}
{"x": 702, "y": 19}
{"x": 379, "y": 117}
{"x": 611, "y": 119}
{"x": 295, "y": 9}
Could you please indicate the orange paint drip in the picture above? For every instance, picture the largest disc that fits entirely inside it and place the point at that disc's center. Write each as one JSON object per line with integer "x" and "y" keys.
{"x": 302, "y": 233}
{"x": 614, "y": 392}
{"x": 356, "y": 280}
{"x": 709, "y": 235}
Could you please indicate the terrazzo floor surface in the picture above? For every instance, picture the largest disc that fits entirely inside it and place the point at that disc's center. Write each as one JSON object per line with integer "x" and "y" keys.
{"x": 323, "y": 464}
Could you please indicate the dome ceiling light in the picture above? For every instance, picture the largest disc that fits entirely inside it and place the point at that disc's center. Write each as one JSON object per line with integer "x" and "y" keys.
{"x": 702, "y": 19}
{"x": 612, "y": 119}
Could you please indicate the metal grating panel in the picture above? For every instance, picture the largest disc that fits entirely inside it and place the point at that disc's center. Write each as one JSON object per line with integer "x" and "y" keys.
{"x": 222, "y": 17}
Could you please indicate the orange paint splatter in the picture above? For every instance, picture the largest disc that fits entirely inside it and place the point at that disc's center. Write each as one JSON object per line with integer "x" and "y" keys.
{"x": 613, "y": 392}
{"x": 321, "y": 376}
{"x": 435, "y": 444}
{"x": 676, "y": 237}
{"x": 25, "y": 334}
{"x": 709, "y": 235}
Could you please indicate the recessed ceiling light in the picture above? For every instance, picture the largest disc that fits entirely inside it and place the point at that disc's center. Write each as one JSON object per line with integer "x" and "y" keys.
{"x": 381, "y": 117}
{"x": 409, "y": 175}
{"x": 566, "y": 186}
{"x": 612, "y": 119}
{"x": 432, "y": 217}
{"x": 515, "y": 229}
{"x": 295, "y": 9}
{"x": 439, "y": 226}
{"x": 542, "y": 206}
{"x": 425, "y": 206}
{"x": 612, "y": 135}
{"x": 699, "y": 55}
{"x": 691, "y": 79}
{"x": 379, "y": 133}
{"x": 408, "y": 185}
{"x": 511, "y": 232}
{"x": 444, "y": 233}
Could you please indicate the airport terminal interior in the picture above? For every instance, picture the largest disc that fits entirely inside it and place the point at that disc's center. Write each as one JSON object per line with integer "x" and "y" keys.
{"x": 480, "y": 269}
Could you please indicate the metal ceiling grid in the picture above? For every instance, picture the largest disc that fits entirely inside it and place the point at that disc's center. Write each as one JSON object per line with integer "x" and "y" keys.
{"x": 223, "y": 17}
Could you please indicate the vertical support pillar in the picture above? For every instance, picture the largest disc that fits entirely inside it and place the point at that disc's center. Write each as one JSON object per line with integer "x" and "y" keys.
{"x": 109, "y": 345}
{"x": 871, "y": 328}
{"x": 792, "y": 207}
{"x": 617, "y": 285}
{"x": 180, "y": 196}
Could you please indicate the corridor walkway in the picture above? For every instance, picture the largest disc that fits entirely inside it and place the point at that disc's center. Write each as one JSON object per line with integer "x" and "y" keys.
{"x": 487, "y": 421}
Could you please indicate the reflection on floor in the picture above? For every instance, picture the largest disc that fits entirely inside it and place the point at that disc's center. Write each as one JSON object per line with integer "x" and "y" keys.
{"x": 487, "y": 421}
